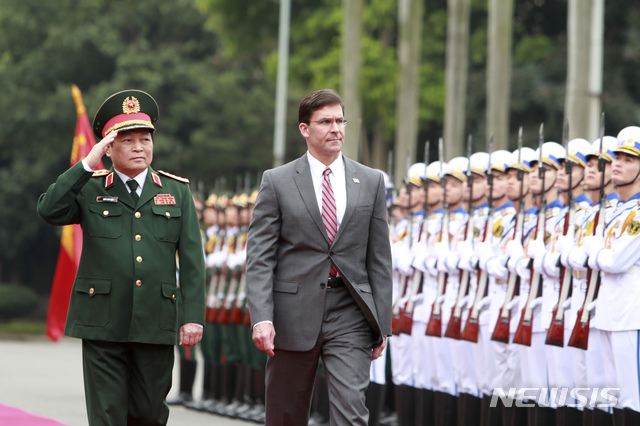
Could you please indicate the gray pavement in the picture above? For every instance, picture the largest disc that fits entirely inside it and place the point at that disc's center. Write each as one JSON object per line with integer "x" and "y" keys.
{"x": 45, "y": 379}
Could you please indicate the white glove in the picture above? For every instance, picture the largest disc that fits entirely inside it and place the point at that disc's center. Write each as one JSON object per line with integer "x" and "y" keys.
{"x": 576, "y": 258}
{"x": 485, "y": 302}
{"x": 452, "y": 260}
{"x": 538, "y": 264}
{"x": 441, "y": 250}
{"x": 536, "y": 248}
{"x": 465, "y": 249}
{"x": 404, "y": 265}
{"x": 562, "y": 242}
{"x": 514, "y": 303}
{"x": 512, "y": 264}
{"x": 483, "y": 249}
{"x": 514, "y": 248}
{"x": 592, "y": 244}
{"x": 593, "y": 259}
{"x": 430, "y": 265}
{"x": 566, "y": 304}
{"x": 537, "y": 302}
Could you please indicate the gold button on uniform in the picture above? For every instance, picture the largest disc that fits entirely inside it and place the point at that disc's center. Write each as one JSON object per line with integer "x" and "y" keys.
{"x": 139, "y": 259}
{"x": 138, "y": 283}
{"x": 105, "y": 213}
{"x": 173, "y": 297}
{"x": 138, "y": 237}
{"x": 92, "y": 290}
{"x": 137, "y": 215}
{"x": 168, "y": 214}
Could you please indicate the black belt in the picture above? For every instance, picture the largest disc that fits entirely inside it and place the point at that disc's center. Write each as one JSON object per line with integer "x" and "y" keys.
{"x": 335, "y": 282}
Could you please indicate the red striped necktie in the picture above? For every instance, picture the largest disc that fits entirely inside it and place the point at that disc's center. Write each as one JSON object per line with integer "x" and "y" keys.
{"x": 329, "y": 215}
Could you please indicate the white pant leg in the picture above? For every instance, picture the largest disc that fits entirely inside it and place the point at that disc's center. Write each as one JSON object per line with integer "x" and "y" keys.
{"x": 626, "y": 358}
{"x": 464, "y": 370}
{"x": 442, "y": 379}
{"x": 401, "y": 360}
{"x": 423, "y": 350}
{"x": 534, "y": 369}
{"x": 485, "y": 365}
{"x": 609, "y": 365}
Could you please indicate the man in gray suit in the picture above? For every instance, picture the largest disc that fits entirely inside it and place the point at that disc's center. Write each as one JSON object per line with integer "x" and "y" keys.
{"x": 319, "y": 272}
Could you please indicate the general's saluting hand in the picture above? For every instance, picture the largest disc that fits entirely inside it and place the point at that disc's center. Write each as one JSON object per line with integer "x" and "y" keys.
{"x": 263, "y": 336}
{"x": 97, "y": 152}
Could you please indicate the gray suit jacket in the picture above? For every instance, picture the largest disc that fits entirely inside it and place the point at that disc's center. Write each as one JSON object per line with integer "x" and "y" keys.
{"x": 289, "y": 255}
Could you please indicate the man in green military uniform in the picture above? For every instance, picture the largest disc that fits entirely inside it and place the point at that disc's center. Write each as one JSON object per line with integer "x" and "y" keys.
{"x": 125, "y": 303}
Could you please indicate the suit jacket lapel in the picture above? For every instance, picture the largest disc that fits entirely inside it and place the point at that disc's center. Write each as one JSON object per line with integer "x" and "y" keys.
{"x": 304, "y": 182}
{"x": 353, "y": 192}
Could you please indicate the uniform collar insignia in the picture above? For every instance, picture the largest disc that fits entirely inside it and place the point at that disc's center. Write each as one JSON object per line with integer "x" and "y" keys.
{"x": 156, "y": 179}
{"x": 109, "y": 180}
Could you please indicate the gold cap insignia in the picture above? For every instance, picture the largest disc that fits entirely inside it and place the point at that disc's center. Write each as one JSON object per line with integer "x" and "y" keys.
{"x": 130, "y": 105}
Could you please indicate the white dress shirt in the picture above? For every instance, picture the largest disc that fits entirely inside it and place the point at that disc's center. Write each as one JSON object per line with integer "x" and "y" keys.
{"x": 338, "y": 183}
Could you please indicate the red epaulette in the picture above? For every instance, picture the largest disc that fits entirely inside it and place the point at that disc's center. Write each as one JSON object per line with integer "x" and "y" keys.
{"x": 178, "y": 178}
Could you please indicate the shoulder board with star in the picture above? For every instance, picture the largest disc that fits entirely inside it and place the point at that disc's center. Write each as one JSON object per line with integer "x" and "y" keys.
{"x": 98, "y": 173}
{"x": 178, "y": 178}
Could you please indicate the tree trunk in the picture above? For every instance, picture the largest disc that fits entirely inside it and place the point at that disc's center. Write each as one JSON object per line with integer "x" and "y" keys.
{"x": 351, "y": 35}
{"x": 578, "y": 68}
{"x": 410, "y": 15}
{"x": 499, "y": 72}
{"x": 456, "y": 72}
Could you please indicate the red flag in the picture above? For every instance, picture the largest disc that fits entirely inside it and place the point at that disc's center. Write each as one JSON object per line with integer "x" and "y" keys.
{"x": 71, "y": 241}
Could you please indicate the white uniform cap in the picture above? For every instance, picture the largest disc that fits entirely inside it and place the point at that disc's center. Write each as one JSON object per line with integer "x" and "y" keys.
{"x": 416, "y": 174}
{"x": 578, "y": 150}
{"x": 500, "y": 160}
{"x": 527, "y": 156}
{"x": 458, "y": 168}
{"x": 552, "y": 154}
{"x": 629, "y": 141}
{"x": 479, "y": 163}
{"x": 608, "y": 153}
{"x": 435, "y": 172}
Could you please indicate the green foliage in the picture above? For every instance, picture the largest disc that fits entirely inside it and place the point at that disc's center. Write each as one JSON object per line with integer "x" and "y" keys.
{"x": 16, "y": 301}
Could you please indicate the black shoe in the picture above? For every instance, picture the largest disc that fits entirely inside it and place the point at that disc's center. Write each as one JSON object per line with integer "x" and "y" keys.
{"x": 181, "y": 399}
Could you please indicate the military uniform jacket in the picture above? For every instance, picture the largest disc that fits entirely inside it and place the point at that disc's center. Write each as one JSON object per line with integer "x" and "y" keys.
{"x": 125, "y": 289}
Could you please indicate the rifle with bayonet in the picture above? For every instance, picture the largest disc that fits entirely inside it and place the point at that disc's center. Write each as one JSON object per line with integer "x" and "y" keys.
{"x": 215, "y": 282}
{"x": 406, "y": 318}
{"x": 580, "y": 334}
{"x": 555, "y": 333}
{"x": 434, "y": 326}
{"x": 471, "y": 327}
{"x": 455, "y": 320}
{"x": 502, "y": 327}
{"x": 523, "y": 332}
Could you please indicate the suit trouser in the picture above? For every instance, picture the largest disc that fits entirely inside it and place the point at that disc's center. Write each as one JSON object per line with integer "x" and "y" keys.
{"x": 126, "y": 383}
{"x": 344, "y": 344}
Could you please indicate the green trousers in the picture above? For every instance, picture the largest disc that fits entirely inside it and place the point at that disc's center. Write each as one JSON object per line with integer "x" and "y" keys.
{"x": 126, "y": 383}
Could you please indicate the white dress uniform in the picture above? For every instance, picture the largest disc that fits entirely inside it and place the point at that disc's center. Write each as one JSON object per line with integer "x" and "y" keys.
{"x": 400, "y": 345}
{"x": 618, "y": 301}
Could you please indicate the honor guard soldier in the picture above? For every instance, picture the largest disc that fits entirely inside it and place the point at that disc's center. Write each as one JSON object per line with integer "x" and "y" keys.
{"x": 400, "y": 344}
{"x": 543, "y": 185}
{"x": 125, "y": 304}
{"x": 519, "y": 192}
{"x": 558, "y": 280}
{"x": 616, "y": 253}
{"x": 587, "y": 360}
{"x": 423, "y": 348}
{"x": 491, "y": 357}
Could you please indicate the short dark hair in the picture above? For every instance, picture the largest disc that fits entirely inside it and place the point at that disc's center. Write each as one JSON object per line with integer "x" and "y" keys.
{"x": 316, "y": 100}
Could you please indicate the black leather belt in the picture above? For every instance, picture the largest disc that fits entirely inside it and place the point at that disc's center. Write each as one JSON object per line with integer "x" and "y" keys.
{"x": 335, "y": 282}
